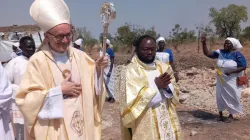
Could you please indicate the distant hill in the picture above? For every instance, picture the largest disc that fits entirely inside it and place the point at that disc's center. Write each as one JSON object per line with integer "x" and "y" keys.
{"x": 21, "y": 28}
{"x": 27, "y": 29}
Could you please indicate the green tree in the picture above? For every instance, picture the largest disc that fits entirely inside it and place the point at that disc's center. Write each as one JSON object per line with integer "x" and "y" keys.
{"x": 127, "y": 33}
{"x": 83, "y": 32}
{"x": 208, "y": 31}
{"x": 227, "y": 19}
{"x": 180, "y": 36}
{"x": 246, "y": 33}
{"x": 109, "y": 36}
{"x": 89, "y": 40}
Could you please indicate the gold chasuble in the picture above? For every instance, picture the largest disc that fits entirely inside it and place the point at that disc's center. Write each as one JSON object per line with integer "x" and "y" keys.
{"x": 138, "y": 120}
{"x": 81, "y": 115}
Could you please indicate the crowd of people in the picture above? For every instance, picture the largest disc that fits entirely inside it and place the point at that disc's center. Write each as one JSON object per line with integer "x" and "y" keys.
{"x": 56, "y": 93}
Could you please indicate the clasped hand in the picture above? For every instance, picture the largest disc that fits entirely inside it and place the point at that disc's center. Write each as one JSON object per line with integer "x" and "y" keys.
{"x": 70, "y": 88}
{"x": 163, "y": 80}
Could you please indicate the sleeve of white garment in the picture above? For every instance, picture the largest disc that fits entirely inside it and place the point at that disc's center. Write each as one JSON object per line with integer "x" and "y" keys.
{"x": 161, "y": 94}
{"x": 15, "y": 89}
{"x": 5, "y": 92}
{"x": 13, "y": 55}
{"x": 157, "y": 98}
{"x": 168, "y": 94}
{"x": 53, "y": 105}
{"x": 9, "y": 68}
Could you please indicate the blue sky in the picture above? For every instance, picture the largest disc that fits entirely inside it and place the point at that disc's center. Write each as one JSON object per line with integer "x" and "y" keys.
{"x": 163, "y": 14}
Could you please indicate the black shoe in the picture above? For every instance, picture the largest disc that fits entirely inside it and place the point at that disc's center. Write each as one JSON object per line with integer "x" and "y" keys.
{"x": 111, "y": 100}
{"x": 232, "y": 118}
{"x": 229, "y": 120}
{"x": 221, "y": 119}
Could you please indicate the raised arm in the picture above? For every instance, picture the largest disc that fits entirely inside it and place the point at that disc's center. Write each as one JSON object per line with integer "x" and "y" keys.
{"x": 204, "y": 47}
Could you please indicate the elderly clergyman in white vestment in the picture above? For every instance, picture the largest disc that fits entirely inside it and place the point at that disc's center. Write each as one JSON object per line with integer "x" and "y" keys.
{"x": 60, "y": 91}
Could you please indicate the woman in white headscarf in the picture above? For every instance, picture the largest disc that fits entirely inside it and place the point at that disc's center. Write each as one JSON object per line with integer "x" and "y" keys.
{"x": 165, "y": 55}
{"x": 230, "y": 64}
{"x": 78, "y": 44}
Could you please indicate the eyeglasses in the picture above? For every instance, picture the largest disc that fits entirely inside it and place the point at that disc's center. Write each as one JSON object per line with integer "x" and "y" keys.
{"x": 61, "y": 37}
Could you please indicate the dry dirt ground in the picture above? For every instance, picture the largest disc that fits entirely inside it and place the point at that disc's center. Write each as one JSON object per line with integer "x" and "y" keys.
{"x": 199, "y": 112}
{"x": 191, "y": 119}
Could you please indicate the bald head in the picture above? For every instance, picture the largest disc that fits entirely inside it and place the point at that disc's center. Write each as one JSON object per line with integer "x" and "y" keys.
{"x": 146, "y": 49}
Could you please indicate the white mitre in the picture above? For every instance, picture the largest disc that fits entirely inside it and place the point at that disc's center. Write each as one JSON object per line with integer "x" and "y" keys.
{"x": 49, "y": 13}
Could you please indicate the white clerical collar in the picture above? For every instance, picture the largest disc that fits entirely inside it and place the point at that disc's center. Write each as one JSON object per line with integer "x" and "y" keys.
{"x": 151, "y": 64}
{"x": 57, "y": 54}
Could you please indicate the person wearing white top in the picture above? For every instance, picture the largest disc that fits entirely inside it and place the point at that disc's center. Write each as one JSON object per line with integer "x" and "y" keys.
{"x": 15, "y": 70}
{"x": 5, "y": 106}
{"x": 109, "y": 73}
{"x": 165, "y": 56}
{"x": 16, "y": 52}
{"x": 78, "y": 44}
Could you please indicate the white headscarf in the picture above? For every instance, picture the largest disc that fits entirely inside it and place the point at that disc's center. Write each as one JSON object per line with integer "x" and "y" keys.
{"x": 160, "y": 39}
{"x": 49, "y": 13}
{"x": 16, "y": 44}
{"x": 108, "y": 41}
{"x": 236, "y": 43}
{"x": 79, "y": 42}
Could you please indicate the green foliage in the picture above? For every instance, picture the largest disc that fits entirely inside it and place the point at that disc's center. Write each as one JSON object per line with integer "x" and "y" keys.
{"x": 109, "y": 36}
{"x": 89, "y": 40}
{"x": 227, "y": 20}
{"x": 80, "y": 36}
{"x": 246, "y": 33}
{"x": 127, "y": 33}
{"x": 209, "y": 32}
{"x": 180, "y": 36}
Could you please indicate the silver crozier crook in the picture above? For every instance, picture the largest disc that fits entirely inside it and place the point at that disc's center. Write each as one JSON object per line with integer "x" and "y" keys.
{"x": 108, "y": 14}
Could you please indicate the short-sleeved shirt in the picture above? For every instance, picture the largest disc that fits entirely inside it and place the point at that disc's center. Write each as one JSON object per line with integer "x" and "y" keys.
{"x": 110, "y": 52}
{"x": 171, "y": 56}
{"x": 235, "y": 56}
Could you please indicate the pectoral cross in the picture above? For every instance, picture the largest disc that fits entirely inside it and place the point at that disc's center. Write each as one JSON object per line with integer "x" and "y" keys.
{"x": 65, "y": 73}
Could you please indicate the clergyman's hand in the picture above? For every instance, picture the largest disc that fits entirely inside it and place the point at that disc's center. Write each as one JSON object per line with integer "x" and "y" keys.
{"x": 101, "y": 63}
{"x": 69, "y": 88}
{"x": 163, "y": 81}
